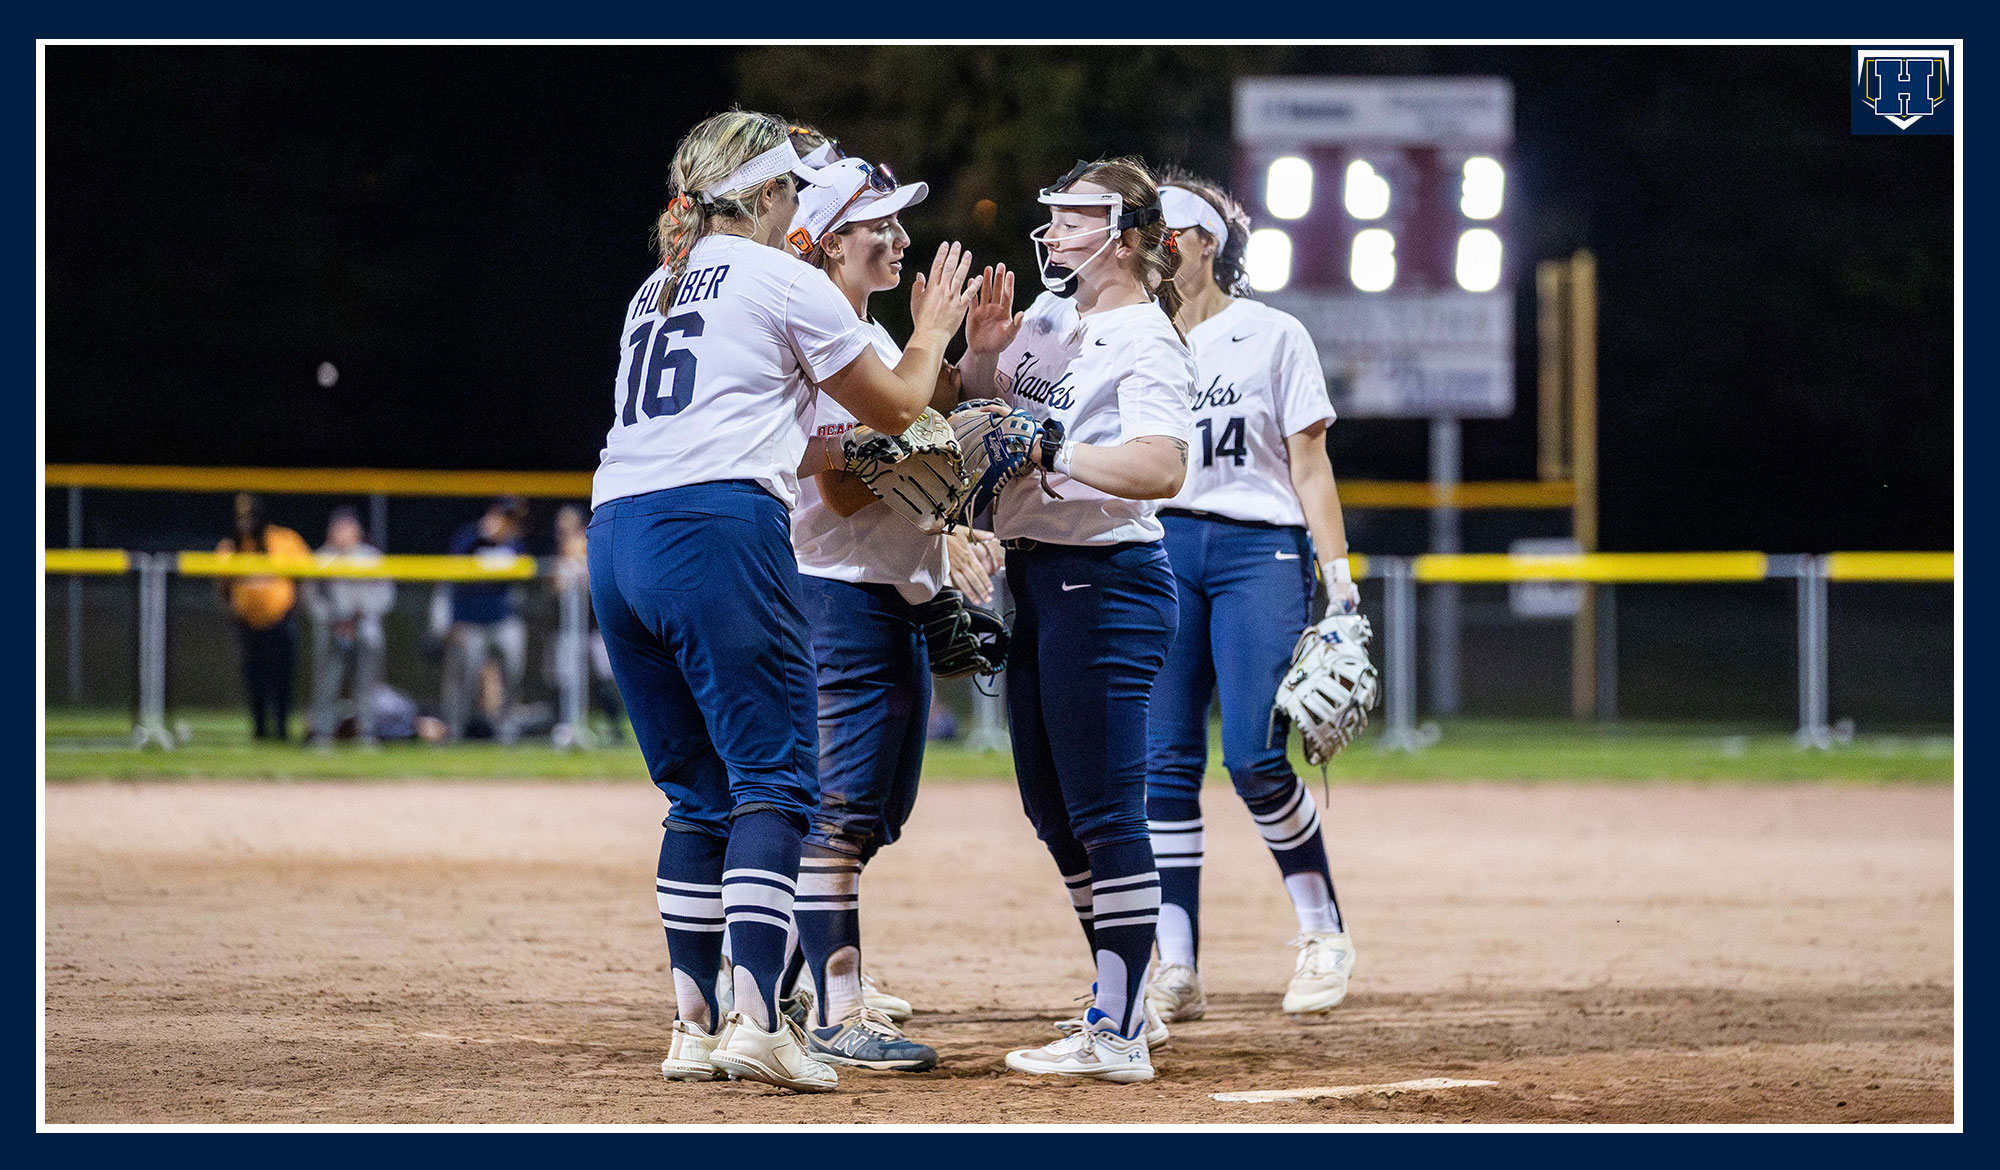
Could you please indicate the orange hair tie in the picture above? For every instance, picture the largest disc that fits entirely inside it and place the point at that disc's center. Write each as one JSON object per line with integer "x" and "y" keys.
{"x": 1173, "y": 241}
{"x": 680, "y": 203}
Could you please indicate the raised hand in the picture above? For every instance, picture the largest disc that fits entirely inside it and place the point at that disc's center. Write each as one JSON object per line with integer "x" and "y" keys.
{"x": 939, "y": 300}
{"x": 992, "y": 323}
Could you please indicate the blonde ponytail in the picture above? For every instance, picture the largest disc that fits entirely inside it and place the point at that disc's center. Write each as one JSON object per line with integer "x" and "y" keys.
{"x": 707, "y": 156}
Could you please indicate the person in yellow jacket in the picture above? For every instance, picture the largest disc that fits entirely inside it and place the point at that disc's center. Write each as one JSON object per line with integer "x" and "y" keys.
{"x": 262, "y": 607}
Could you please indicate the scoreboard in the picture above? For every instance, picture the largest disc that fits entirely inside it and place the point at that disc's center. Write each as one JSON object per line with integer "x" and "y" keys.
{"x": 1379, "y": 218}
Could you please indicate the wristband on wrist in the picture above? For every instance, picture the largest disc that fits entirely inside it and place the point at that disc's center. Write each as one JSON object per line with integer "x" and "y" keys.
{"x": 1338, "y": 571}
{"x": 1055, "y": 453}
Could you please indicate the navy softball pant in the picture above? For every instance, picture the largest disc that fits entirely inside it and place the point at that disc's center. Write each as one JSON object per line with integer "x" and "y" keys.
{"x": 1091, "y": 628}
{"x": 697, "y": 594}
{"x": 874, "y": 711}
{"x": 1245, "y": 592}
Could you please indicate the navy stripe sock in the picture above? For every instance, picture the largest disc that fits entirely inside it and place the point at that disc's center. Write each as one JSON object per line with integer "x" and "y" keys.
{"x": 1288, "y": 820}
{"x": 1179, "y": 844}
{"x": 829, "y": 914}
{"x": 1125, "y": 907}
{"x": 689, "y": 887}
{"x": 759, "y": 874}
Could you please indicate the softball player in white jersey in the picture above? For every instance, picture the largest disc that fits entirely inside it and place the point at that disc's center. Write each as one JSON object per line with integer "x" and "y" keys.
{"x": 691, "y": 567}
{"x": 866, "y": 572}
{"x": 1097, "y": 359}
{"x": 1258, "y": 479}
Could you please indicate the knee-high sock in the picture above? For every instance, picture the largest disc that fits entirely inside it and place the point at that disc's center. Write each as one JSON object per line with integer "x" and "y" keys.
{"x": 1073, "y": 862}
{"x": 1125, "y": 908}
{"x": 759, "y": 876}
{"x": 690, "y": 895}
{"x": 1178, "y": 846}
{"x": 1289, "y": 823}
{"x": 829, "y": 913}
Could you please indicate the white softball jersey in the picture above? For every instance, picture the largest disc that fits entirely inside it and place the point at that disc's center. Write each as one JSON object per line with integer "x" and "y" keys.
{"x": 1108, "y": 378}
{"x": 1259, "y": 383}
{"x": 874, "y": 545}
{"x": 720, "y": 384}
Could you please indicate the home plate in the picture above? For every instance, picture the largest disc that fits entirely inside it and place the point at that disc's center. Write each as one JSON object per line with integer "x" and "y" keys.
{"x": 1388, "y": 1089}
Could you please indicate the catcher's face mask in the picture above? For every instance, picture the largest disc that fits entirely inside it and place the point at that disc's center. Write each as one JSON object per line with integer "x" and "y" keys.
{"x": 1061, "y": 279}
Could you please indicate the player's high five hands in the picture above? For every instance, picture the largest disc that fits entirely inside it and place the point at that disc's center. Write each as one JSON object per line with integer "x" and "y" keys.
{"x": 992, "y": 322}
{"x": 939, "y": 299}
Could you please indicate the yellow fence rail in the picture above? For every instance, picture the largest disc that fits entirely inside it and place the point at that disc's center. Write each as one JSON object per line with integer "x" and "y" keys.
{"x": 358, "y": 481}
{"x": 1595, "y": 568}
{"x": 86, "y": 560}
{"x": 1891, "y": 566}
{"x": 364, "y": 481}
{"x": 1436, "y": 568}
{"x": 392, "y": 568}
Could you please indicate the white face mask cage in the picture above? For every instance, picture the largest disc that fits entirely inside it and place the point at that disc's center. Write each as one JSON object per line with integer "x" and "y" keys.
{"x": 1061, "y": 279}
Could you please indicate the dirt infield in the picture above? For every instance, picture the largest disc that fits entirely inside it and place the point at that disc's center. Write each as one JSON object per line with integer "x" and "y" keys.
{"x": 490, "y": 952}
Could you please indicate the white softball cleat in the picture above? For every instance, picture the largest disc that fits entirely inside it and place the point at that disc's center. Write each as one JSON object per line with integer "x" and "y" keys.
{"x": 1174, "y": 994}
{"x": 687, "y": 1057}
{"x": 894, "y": 1006}
{"x": 1319, "y": 982}
{"x": 776, "y": 1058}
{"x": 1089, "y": 1050}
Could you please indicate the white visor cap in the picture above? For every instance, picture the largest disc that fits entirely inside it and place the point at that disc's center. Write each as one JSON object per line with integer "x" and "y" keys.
{"x": 1185, "y": 209}
{"x": 843, "y": 198}
{"x": 779, "y": 160}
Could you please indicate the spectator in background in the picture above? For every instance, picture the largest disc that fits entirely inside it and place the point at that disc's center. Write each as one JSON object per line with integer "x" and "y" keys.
{"x": 348, "y": 610}
{"x": 483, "y": 619}
{"x": 573, "y": 569}
{"x": 262, "y": 607}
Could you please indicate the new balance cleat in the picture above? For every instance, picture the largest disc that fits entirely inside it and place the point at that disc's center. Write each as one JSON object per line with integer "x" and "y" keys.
{"x": 895, "y": 1007}
{"x": 1174, "y": 994}
{"x": 1319, "y": 982}
{"x": 776, "y": 1058}
{"x": 869, "y": 1039}
{"x": 688, "y": 1056}
{"x": 1089, "y": 1050}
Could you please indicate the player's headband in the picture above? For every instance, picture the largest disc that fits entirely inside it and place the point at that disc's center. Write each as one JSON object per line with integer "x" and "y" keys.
{"x": 1111, "y": 201}
{"x": 1185, "y": 209}
{"x": 779, "y": 160}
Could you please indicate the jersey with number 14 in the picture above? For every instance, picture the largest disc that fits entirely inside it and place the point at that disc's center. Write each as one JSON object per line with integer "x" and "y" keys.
{"x": 1260, "y": 383}
{"x": 720, "y": 384}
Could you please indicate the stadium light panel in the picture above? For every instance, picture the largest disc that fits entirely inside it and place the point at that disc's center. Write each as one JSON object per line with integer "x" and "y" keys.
{"x": 1288, "y": 187}
{"x": 1371, "y": 264}
{"x": 1483, "y": 188}
{"x": 1479, "y": 260}
{"x": 1267, "y": 259}
{"x": 1365, "y": 193}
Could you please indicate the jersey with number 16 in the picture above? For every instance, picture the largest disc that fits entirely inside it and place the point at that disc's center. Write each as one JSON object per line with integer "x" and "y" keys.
{"x": 720, "y": 384}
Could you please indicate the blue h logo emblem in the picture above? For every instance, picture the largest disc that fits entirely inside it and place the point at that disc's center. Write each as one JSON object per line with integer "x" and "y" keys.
{"x": 1903, "y": 85}
{"x": 1901, "y": 90}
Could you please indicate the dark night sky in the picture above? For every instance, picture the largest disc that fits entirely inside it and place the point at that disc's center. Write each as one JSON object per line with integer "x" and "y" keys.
{"x": 458, "y": 229}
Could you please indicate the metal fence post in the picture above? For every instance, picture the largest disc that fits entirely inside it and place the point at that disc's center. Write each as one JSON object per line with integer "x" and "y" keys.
{"x": 1813, "y": 730}
{"x": 988, "y": 732}
{"x": 1399, "y": 614}
{"x": 152, "y": 728}
{"x": 573, "y": 656}
{"x": 75, "y": 590}
{"x": 1607, "y": 653}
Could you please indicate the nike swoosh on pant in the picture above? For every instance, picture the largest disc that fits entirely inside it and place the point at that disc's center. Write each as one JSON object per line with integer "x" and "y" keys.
{"x": 1069, "y": 588}
{"x": 1287, "y": 556}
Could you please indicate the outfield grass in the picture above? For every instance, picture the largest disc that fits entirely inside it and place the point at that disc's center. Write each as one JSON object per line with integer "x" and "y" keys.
{"x": 86, "y": 745}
